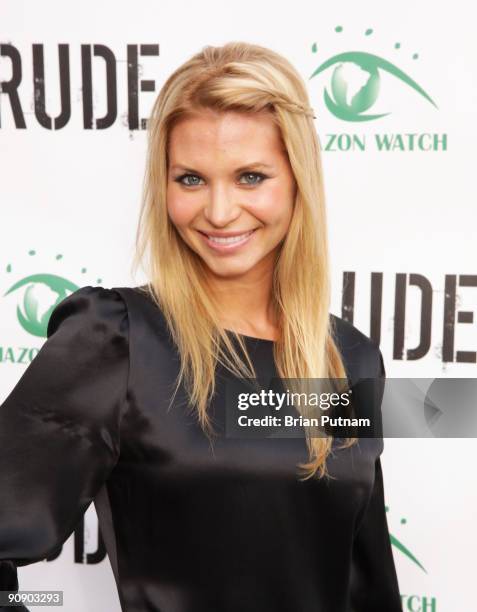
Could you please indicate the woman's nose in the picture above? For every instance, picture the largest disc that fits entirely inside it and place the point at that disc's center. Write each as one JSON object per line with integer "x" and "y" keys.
{"x": 221, "y": 206}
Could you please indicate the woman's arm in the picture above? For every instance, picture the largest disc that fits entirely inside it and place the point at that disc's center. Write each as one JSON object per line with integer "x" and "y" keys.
{"x": 374, "y": 584}
{"x": 59, "y": 427}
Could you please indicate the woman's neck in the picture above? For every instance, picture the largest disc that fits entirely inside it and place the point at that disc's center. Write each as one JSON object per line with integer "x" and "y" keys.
{"x": 245, "y": 304}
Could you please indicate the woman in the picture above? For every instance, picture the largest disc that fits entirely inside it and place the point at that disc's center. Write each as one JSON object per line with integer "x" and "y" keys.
{"x": 125, "y": 402}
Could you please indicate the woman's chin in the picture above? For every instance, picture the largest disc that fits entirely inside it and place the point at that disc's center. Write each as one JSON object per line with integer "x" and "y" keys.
{"x": 228, "y": 269}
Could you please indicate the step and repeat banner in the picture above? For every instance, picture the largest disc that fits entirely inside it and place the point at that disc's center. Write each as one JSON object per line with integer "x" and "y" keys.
{"x": 394, "y": 89}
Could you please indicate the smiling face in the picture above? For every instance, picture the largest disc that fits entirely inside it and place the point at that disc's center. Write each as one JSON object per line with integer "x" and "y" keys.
{"x": 230, "y": 189}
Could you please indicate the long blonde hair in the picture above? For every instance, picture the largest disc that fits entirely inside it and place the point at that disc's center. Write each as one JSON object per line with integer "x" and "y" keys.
{"x": 248, "y": 78}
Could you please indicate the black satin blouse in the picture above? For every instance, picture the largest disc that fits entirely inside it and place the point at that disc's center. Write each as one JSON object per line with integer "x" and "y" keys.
{"x": 188, "y": 527}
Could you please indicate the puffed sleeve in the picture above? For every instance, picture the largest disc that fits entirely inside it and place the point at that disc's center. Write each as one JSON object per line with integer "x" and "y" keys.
{"x": 60, "y": 427}
{"x": 374, "y": 583}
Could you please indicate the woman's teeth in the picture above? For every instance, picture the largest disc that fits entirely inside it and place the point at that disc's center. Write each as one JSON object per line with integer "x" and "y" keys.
{"x": 229, "y": 240}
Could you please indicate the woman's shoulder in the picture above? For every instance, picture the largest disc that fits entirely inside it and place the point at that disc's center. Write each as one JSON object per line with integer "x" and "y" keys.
{"x": 104, "y": 312}
{"x": 361, "y": 355}
{"x": 88, "y": 306}
{"x": 99, "y": 301}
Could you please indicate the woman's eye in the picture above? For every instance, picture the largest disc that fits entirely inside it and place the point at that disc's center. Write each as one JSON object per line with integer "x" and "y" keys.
{"x": 254, "y": 175}
{"x": 180, "y": 179}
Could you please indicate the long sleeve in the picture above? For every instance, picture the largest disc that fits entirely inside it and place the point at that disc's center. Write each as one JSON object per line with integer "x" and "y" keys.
{"x": 60, "y": 427}
{"x": 374, "y": 583}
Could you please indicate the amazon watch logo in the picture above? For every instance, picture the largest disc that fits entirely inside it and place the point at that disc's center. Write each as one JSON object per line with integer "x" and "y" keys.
{"x": 351, "y": 94}
{"x": 30, "y": 298}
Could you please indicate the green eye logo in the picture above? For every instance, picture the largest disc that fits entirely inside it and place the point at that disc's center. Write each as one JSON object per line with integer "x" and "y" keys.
{"x": 356, "y": 81}
{"x": 41, "y": 293}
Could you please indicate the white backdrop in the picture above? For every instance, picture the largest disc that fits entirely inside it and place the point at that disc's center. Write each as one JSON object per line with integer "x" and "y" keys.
{"x": 70, "y": 199}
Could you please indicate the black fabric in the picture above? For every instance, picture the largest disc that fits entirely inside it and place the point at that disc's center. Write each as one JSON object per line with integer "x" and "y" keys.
{"x": 188, "y": 526}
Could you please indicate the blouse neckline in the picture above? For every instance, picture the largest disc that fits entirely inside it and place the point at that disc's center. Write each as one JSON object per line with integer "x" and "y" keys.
{"x": 251, "y": 338}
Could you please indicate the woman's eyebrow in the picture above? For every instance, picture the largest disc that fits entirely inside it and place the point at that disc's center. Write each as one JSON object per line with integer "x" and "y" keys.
{"x": 255, "y": 165}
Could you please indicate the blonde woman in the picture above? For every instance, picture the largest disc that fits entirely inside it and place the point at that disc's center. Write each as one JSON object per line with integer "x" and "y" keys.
{"x": 122, "y": 403}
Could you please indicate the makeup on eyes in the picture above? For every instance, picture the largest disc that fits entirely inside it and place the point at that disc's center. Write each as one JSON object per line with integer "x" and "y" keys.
{"x": 260, "y": 175}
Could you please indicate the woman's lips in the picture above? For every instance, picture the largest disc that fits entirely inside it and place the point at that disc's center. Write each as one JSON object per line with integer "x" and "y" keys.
{"x": 227, "y": 245}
